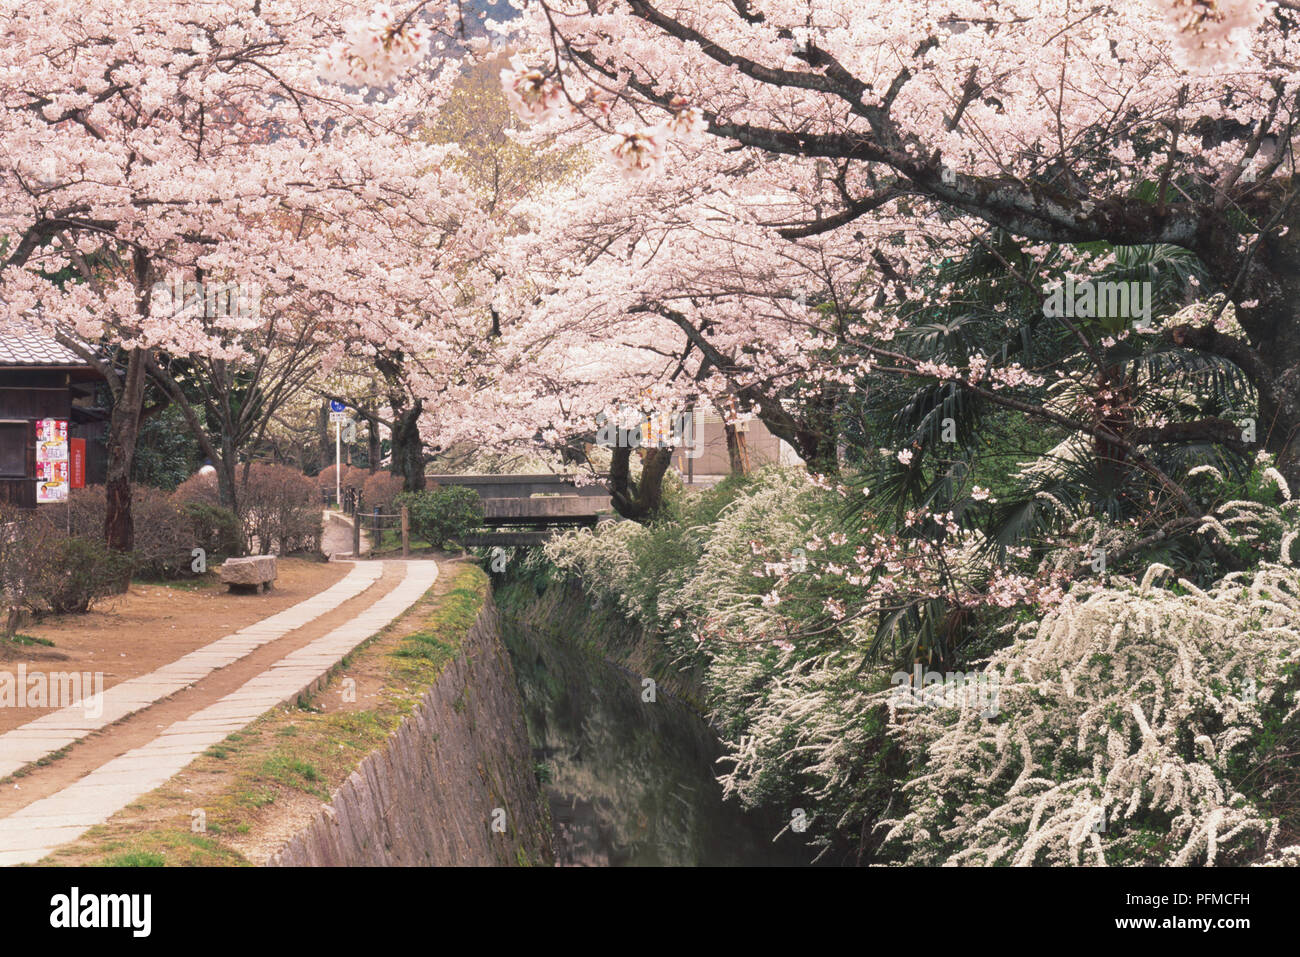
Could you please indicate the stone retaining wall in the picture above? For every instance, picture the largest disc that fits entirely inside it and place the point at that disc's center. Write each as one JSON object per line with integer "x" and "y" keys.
{"x": 457, "y": 770}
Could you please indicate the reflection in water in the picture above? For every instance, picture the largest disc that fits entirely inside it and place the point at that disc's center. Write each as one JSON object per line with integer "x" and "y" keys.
{"x": 630, "y": 781}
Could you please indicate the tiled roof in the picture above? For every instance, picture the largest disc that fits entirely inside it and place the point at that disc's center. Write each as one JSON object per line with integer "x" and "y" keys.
{"x": 35, "y": 349}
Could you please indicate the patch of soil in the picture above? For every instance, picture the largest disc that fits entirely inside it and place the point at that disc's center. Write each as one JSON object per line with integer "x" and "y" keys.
{"x": 203, "y": 781}
{"x": 16, "y": 651}
{"x": 151, "y": 625}
{"x": 142, "y": 727}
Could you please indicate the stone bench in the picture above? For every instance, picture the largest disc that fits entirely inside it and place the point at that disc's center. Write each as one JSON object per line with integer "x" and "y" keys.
{"x": 256, "y": 571}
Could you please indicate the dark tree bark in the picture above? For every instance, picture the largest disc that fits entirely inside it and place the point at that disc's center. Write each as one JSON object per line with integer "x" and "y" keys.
{"x": 226, "y": 488}
{"x": 1269, "y": 355}
{"x": 408, "y": 448}
{"x": 643, "y": 499}
{"x": 373, "y": 446}
{"x": 1109, "y": 457}
{"x": 814, "y": 434}
{"x": 123, "y": 431}
{"x": 811, "y": 433}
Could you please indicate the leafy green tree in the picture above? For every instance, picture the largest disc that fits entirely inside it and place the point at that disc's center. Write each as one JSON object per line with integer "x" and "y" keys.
{"x": 167, "y": 453}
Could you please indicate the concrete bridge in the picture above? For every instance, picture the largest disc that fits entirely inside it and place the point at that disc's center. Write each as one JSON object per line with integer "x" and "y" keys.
{"x": 528, "y": 509}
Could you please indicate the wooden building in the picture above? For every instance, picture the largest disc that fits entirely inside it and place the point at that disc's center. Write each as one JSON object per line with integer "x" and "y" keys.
{"x": 40, "y": 379}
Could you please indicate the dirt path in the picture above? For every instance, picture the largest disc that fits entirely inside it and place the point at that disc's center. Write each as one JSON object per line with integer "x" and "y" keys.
{"x": 101, "y": 774}
{"x": 132, "y": 634}
{"x": 102, "y": 746}
{"x": 203, "y": 782}
{"x": 336, "y": 538}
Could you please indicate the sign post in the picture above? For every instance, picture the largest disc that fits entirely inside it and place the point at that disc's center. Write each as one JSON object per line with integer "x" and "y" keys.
{"x": 338, "y": 412}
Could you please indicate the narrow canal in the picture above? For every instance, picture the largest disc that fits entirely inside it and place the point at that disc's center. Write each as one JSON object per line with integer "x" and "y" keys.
{"x": 630, "y": 781}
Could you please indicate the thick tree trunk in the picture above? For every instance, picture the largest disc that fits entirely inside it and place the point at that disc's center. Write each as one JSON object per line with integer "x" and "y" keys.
{"x": 1267, "y": 288}
{"x": 1282, "y": 437}
{"x": 408, "y": 448}
{"x": 1109, "y": 457}
{"x": 640, "y": 500}
{"x": 123, "y": 431}
{"x": 227, "y": 487}
{"x": 1274, "y": 330}
{"x": 812, "y": 434}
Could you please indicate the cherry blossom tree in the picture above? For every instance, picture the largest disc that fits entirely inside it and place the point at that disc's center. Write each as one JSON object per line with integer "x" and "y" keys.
{"x": 576, "y": 326}
{"x": 152, "y": 142}
{"x": 900, "y": 127}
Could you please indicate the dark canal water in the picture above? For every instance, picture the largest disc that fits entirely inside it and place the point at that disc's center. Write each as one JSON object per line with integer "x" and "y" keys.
{"x": 631, "y": 782}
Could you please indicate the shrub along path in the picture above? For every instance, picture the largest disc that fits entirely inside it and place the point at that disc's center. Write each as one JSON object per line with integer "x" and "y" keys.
{"x": 59, "y": 801}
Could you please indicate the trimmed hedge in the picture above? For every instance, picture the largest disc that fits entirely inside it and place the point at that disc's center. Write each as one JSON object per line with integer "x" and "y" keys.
{"x": 442, "y": 515}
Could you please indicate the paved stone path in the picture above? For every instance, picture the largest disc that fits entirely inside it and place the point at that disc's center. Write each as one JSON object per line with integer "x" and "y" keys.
{"x": 336, "y": 539}
{"x": 50, "y": 732}
{"x": 34, "y": 831}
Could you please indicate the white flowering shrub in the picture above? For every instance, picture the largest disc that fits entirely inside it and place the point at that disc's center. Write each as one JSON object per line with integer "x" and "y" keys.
{"x": 1134, "y": 722}
{"x": 758, "y": 537}
{"x": 603, "y": 559}
{"x": 1137, "y": 724}
{"x": 697, "y": 564}
{"x": 790, "y": 707}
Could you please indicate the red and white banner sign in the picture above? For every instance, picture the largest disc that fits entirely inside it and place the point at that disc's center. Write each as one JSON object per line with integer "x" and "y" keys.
{"x": 77, "y": 463}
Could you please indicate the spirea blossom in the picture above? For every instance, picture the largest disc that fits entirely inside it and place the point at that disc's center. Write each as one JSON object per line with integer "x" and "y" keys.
{"x": 1098, "y": 699}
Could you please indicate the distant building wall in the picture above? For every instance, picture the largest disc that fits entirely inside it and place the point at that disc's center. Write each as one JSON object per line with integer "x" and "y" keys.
{"x": 711, "y": 456}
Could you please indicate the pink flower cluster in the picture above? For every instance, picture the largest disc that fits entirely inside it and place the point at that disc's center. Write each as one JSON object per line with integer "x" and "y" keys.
{"x": 532, "y": 95}
{"x": 1212, "y": 34}
{"x": 374, "y": 50}
{"x": 641, "y": 152}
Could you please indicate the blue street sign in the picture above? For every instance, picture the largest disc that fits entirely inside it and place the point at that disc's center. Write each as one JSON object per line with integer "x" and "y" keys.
{"x": 336, "y": 405}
